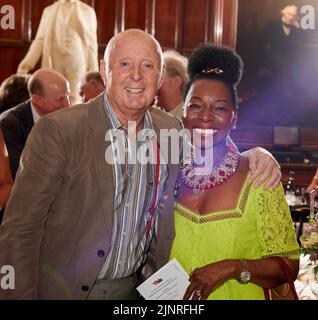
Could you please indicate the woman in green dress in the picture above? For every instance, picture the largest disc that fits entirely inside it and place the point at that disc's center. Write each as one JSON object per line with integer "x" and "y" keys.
{"x": 226, "y": 230}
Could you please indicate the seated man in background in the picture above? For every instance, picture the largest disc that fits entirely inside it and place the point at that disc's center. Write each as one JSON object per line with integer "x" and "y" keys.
{"x": 48, "y": 91}
{"x": 91, "y": 85}
{"x": 170, "y": 94}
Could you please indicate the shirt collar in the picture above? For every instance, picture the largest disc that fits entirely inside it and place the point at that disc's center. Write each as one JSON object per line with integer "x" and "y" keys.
{"x": 147, "y": 131}
{"x": 112, "y": 116}
{"x": 35, "y": 114}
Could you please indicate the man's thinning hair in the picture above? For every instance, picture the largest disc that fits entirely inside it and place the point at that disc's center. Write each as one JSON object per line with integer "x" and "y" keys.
{"x": 93, "y": 75}
{"x": 176, "y": 65}
{"x": 35, "y": 86}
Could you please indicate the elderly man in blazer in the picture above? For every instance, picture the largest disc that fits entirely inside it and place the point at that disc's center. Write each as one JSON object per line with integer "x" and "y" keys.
{"x": 78, "y": 226}
{"x": 67, "y": 41}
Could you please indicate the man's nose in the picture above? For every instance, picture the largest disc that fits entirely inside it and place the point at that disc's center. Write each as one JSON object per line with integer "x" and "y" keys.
{"x": 136, "y": 73}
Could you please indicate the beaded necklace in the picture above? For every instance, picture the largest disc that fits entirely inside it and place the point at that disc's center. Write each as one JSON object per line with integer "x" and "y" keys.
{"x": 220, "y": 173}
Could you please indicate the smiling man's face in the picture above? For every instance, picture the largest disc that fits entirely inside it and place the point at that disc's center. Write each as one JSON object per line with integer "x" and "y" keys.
{"x": 134, "y": 72}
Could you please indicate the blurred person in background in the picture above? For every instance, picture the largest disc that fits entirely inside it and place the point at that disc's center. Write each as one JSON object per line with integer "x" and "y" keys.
{"x": 91, "y": 85}
{"x": 48, "y": 91}
{"x": 170, "y": 94}
{"x": 13, "y": 91}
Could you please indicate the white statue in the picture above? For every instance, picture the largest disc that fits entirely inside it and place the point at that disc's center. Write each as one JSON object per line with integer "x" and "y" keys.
{"x": 67, "y": 41}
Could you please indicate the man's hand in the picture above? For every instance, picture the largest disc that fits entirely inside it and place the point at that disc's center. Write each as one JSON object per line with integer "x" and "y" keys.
{"x": 263, "y": 166}
{"x": 312, "y": 186}
{"x": 314, "y": 183}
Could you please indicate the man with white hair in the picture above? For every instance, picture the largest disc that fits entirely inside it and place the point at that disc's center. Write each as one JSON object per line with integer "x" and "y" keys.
{"x": 281, "y": 53}
{"x": 91, "y": 85}
{"x": 290, "y": 18}
{"x": 170, "y": 94}
{"x": 282, "y": 40}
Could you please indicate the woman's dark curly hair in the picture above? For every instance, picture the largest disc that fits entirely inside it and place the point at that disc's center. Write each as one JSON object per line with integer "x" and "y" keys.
{"x": 13, "y": 91}
{"x": 226, "y": 63}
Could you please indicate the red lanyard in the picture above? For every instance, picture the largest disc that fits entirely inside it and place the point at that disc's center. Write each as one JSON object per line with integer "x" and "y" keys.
{"x": 152, "y": 210}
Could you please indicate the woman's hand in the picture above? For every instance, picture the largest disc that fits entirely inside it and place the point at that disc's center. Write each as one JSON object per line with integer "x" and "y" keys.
{"x": 204, "y": 280}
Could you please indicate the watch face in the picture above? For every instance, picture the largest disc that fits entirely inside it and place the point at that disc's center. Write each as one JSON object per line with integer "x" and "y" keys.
{"x": 245, "y": 276}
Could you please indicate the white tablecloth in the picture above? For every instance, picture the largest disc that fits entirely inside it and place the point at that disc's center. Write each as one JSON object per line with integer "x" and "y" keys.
{"x": 306, "y": 284}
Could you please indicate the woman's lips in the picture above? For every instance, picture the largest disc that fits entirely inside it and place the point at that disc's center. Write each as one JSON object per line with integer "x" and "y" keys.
{"x": 205, "y": 132}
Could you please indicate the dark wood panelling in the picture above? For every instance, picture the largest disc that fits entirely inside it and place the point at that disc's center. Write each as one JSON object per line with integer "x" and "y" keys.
{"x": 179, "y": 30}
{"x": 105, "y": 12}
{"x": 9, "y": 59}
{"x": 229, "y": 33}
{"x": 165, "y": 22}
{"x": 150, "y": 16}
{"x": 36, "y": 13}
{"x": 218, "y": 10}
{"x": 177, "y": 24}
{"x": 309, "y": 138}
{"x": 135, "y": 18}
{"x": 119, "y": 16}
{"x": 195, "y": 13}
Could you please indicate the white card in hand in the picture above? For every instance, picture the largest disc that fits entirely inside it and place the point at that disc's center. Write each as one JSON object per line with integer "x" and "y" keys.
{"x": 168, "y": 283}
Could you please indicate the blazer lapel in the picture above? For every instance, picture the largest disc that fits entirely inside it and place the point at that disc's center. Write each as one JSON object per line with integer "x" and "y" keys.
{"x": 99, "y": 125}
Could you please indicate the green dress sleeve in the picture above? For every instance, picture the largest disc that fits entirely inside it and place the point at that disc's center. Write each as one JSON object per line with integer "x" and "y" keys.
{"x": 276, "y": 232}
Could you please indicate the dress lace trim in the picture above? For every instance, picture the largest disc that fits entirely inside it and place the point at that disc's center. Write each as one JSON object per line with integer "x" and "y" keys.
{"x": 291, "y": 253}
{"x": 236, "y": 212}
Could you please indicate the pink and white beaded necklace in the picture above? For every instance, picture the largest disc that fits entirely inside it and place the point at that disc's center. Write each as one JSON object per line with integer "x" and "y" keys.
{"x": 220, "y": 173}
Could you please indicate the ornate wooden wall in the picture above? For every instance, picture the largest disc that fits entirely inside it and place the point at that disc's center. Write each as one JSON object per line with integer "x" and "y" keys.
{"x": 177, "y": 24}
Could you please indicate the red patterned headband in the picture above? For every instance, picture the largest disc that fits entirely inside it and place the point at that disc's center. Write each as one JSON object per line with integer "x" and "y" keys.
{"x": 214, "y": 70}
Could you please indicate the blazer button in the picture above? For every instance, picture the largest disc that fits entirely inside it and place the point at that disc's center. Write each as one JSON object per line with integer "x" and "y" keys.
{"x": 101, "y": 253}
{"x": 85, "y": 288}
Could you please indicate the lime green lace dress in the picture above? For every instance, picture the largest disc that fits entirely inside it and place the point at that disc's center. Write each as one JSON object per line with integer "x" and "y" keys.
{"x": 259, "y": 226}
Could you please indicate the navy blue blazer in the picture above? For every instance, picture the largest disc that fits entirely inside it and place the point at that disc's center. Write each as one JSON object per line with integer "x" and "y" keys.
{"x": 16, "y": 124}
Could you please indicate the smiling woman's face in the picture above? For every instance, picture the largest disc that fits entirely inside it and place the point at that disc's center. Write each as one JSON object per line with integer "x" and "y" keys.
{"x": 209, "y": 113}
